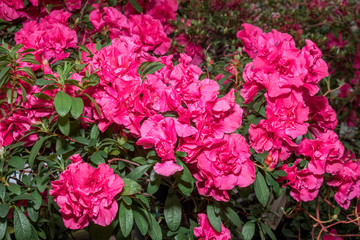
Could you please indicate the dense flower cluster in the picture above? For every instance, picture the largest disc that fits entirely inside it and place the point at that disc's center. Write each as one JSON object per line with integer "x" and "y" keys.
{"x": 174, "y": 110}
{"x": 289, "y": 77}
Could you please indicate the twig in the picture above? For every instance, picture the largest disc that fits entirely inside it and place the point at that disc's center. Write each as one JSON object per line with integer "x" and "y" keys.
{"x": 123, "y": 160}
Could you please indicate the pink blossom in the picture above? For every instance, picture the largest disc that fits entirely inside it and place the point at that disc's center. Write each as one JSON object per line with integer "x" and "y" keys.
{"x": 50, "y": 37}
{"x": 222, "y": 167}
{"x": 76, "y": 158}
{"x": 14, "y": 128}
{"x": 150, "y": 32}
{"x": 347, "y": 182}
{"x": 325, "y": 152}
{"x": 336, "y": 41}
{"x": 290, "y": 112}
{"x": 191, "y": 49}
{"x": 258, "y": 43}
{"x": 316, "y": 67}
{"x": 206, "y": 232}
{"x": 161, "y": 132}
{"x": 322, "y": 115}
{"x": 269, "y": 136}
{"x": 110, "y": 18}
{"x": 86, "y": 194}
{"x": 250, "y": 36}
{"x": 331, "y": 237}
{"x": 304, "y": 184}
{"x": 12, "y": 9}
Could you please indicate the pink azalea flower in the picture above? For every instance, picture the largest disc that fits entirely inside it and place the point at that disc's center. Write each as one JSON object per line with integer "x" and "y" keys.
{"x": 221, "y": 168}
{"x": 290, "y": 112}
{"x": 191, "y": 49}
{"x": 206, "y": 232}
{"x": 325, "y": 152}
{"x": 161, "y": 132}
{"x": 322, "y": 115}
{"x": 12, "y": 9}
{"x": 347, "y": 182}
{"x": 50, "y": 37}
{"x": 304, "y": 184}
{"x": 269, "y": 136}
{"x": 86, "y": 194}
{"x": 14, "y": 128}
{"x": 330, "y": 237}
{"x": 317, "y": 67}
{"x": 150, "y": 32}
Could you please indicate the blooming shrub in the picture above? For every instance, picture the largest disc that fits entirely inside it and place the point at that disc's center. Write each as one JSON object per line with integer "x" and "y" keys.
{"x": 122, "y": 119}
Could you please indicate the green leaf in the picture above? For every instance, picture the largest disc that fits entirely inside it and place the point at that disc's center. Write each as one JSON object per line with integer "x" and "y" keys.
{"x": 64, "y": 124}
{"x": 268, "y": 230}
{"x": 35, "y": 149}
{"x": 136, "y": 173}
{"x": 43, "y": 82}
{"x": 214, "y": 219}
{"x": 62, "y": 103}
{"x": 22, "y": 226}
{"x": 154, "y": 184}
{"x": 29, "y": 58}
{"x": 155, "y": 230}
{"x": 14, "y": 188}
{"x": 3, "y": 227}
{"x": 4, "y": 209}
{"x": 29, "y": 72}
{"x": 186, "y": 180}
{"x": 17, "y": 162}
{"x": 136, "y": 5}
{"x": 126, "y": 219}
{"x": 94, "y": 103}
{"x": 127, "y": 200}
{"x": 180, "y": 154}
{"x": 37, "y": 199}
{"x": 22, "y": 197}
{"x": 10, "y": 93}
{"x": 33, "y": 215}
{"x": 261, "y": 189}
{"x": 248, "y": 230}
{"x": 131, "y": 187}
{"x": 77, "y": 107}
{"x": 152, "y": 68}
{"x": 172, "y": 211}
{"x": 23, "y": 93}
{"x": 3, "y": 74}
{"x": 98, "y": 157}
{"x": 140, "y": 220}
{"x": 2, "y": 191}
{"x": 143, "y": 201}
{"x": 279, "y": 173}
{"x": 233, "y": 216}
{"x": 94, "y": 133}
{"x": 34, "y": 234}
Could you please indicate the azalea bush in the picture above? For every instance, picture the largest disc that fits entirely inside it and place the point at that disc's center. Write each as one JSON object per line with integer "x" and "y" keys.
{"x": 179, "y": 120}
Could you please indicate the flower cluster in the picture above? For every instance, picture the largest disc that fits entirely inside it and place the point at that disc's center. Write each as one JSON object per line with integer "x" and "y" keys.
{"x": 129, "y": 84}
{"x": 289, "y": 77}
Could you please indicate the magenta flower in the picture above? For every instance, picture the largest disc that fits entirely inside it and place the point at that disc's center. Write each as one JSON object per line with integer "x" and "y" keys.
{"x": 304, "y": 184}
{"x": 325, "y": 152}
{"x": 222, "y": 167}
{"x": 161, "y": 132}
{"x": 206, "y": 232}
{"x": 86, "y": 194}
{"x": 347, "y": 182}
